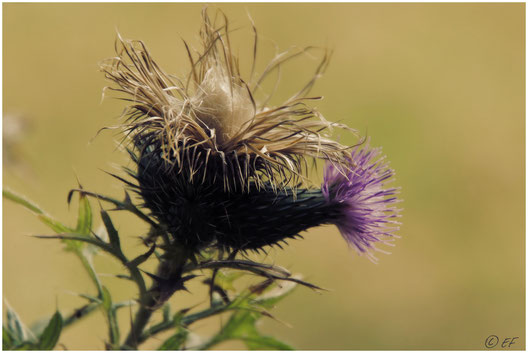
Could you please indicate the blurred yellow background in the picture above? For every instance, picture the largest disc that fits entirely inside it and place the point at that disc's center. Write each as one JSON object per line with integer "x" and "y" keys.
{"x": 440, "y": 86}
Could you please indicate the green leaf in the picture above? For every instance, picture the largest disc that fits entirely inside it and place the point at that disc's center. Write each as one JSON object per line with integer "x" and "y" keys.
{"x": 111, "y": 316}
{"x": 38, "y": 326}
{"x": 47, "y": 220}
{"x": 204, "y": 314}
{"x": 275, "y": 294}
{"x": 83, "y": 224}
{"x": 127, "y": 204}
{"x": 15, "y": 326}
{"x": 265, "y": 343}
{"x": 84, "y": 220}
{"x": 166, "y": 312}
{"x": 51, "y": 334}
{"x": 178, "y": 317}
{"x": 73, "y": 239}
{"x": 175, "y": 342}
{"x": 26, "y": 346}
{"x": 21, "y": 201}
{"x": 86, "y": 261}
{"x": 142, "y": 258}
{"x": 7, "y": 339}
{"x": 107, "y": 299}
{"x": 248, "y": 310}
{"x": 110, "y": 229}
{"x": 82, "y": 238}
{"x": 241, "y": 323}
{"x": 54, "y": 225}
{"x": 225, "y": 279}
{"x": 242, "y": 326}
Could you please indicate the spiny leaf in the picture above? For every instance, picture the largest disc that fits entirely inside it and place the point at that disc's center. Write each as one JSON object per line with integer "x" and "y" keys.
{"x": 166, "y": 312}
{"x": 121, "y": 276}
{"x": 128, "y": 200}
{"x": 54, "y": 225}
{"x": 111, "y": 316}
{"x": 178, "y": 318}
{"x": 225, "y": 279}
{"x": 26, "y": 346}
{"x": 245, "y": 264}
{"x": 142, "y": 258}
{"x": 270, "y": 297}
{"x": 125, "y": 304}
{"x": 266, "y": 343}
{"x": 91, "y": 298}
{"x": 51, "y": 334}
{"x": 120, "y": 205}
{"x": 84, "y": 220}
{"x": 107, "y": 299}
{"x": 175, "y": 342}
{"x": 7, "y": 339}
{"x": 110, "y": 229}
{"x": 15, "y": 326}
{"x": 47, "y": 220}
{"x": 242, "y": 323}
{"x": 81, "y": 233}
{"x": 22, "y": 201}
{"x": 82, "y": 238}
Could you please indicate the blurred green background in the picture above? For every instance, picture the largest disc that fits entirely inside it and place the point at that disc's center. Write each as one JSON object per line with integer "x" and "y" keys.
{"x": 440, "y": 86}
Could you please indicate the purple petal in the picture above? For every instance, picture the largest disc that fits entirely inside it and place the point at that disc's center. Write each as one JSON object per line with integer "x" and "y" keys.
{"x": 366, "y": 204}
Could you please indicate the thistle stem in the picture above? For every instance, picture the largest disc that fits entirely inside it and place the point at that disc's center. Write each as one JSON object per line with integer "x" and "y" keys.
{"x": 167, "y": 282}
{"x": 140, "y": 321}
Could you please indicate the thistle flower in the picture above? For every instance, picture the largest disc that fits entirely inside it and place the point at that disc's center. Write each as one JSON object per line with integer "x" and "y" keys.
{"x": 215, "y": 166}
{"x": 367, "y": 212}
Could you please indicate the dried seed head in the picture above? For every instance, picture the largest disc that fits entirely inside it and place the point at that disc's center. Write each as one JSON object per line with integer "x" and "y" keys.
{"x": 212, "y": 112}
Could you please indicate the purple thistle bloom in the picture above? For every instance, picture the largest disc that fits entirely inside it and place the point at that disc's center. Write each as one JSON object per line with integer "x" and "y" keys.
{"x": 367, "y": 214}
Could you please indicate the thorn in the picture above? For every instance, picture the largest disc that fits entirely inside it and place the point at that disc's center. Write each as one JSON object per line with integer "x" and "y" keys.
{"x": 154, "y": 277}
{"x": 97, "y": 237}
{"x": 78, "y": 181}
{"x": 127, "y": 200}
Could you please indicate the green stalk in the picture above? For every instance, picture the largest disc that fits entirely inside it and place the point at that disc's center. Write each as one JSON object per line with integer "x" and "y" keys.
{"x": 80, "y": 314}
{"x": 91, "y": 272}
{"x": 186, "y": 321}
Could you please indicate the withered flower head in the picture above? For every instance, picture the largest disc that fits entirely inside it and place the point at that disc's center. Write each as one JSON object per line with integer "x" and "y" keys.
{"x": 215, "y": 166}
